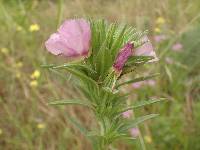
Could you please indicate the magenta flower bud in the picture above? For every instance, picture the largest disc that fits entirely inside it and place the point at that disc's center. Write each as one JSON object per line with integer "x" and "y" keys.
{"x": 123, "y": 56}
{"x": 71, "y": 40}
{"x": 146, "y": 49}
{"x": 127, "y": 114}
{"x": 134, "y": 132}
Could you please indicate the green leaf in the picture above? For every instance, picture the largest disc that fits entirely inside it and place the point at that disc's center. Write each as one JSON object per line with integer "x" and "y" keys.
{"x": 132, "y": 123}
{"x": 73, "y": 65}
{"x": 103, "y": 60}
{"x": 142, "y": 104}
{"x": 117, "y": 44}
{"x": 82, "y": 76}
{"x": 110, "y": 34}
{"x": 135, "y": 60}
{"x": 74, "y": 122}
{"x": 137, "y": 80}
{"x": 71, "y": 102}
{"x": 168, "y": 71}
{"x": 110, "y": 80}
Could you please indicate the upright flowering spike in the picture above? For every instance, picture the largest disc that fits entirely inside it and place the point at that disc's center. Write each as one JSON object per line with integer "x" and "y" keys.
{"x": 71, "y": 40}
{"x": 123, "y": 56}
{"x": 146, "y": 49}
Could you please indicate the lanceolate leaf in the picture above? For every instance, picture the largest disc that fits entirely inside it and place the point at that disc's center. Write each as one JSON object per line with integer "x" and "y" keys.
{"x": 75, "y": 70}
{"x": 118, "y": 41}
{"x": 82, "y": 76}
{"x": 135, "y": 60}
{"x": 73, "y": 65}
{"x": 71, "y": 101}
{"x": 132, "y": 123}
{"x": 74, "y": 122}
{"x": 142, "y": 104}
{"x": 137, "y": 80}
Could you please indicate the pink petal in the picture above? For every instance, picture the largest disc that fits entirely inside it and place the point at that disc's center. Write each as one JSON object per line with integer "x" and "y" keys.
{"x": 177, "y": 47}
{"x": 134, "y": 132}
{"x": 146, "y": 49}
{"x": 127, "y": 114}
{"x": 159, "y": 38}
{"x": 55, "y": 44}
{"x": 151, "y": 82}
{"x": 137, "y": 85}
{"x": 77, "y": 33}
{"x": 71, "y": 40}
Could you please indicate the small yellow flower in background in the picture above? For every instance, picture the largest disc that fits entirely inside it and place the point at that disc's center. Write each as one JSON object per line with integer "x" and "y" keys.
{"x": 18, "y": 75}
{"x": 4, "y": 50}
{"x": 19, "y": 28}
{"x": 160, "y": 20}
{"x": 34, "y": 83}
{"x": 34, "y": 27}
{"x": 19, "y": 64}
{"x": 1, "y": 132}
{"x": 157, "y": 30}
{"x": 41, "y": 125}
{"x": 35, "y": 74}
{"x": 148, "y": 139}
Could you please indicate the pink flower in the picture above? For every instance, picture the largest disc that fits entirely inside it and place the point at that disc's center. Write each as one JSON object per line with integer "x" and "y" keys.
{"x": 151, "y": 82}
{"x": 146, "y": 49}
{"x": 177, "y": 47}
{"x": 137, "y": 85}
{"x": 123, "y": 56}
{"x": 159, "y": 38}
{"x": 134, "y": 132}
{"x": 71, "y": 40}
{"x": 127, "y": 114}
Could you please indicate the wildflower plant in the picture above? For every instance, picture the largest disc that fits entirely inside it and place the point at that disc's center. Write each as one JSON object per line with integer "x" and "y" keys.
{"x": 105, "y": 52}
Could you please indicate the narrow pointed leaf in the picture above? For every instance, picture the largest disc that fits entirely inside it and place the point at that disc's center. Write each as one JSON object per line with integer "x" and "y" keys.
{"x": 76, "y": 123}
{"x": 73, "y": 65}
{"x": 82, "y": 76}
{"x": 135, "y": 60}
{"x": 71, "y": 102}
{"x": 137, "y": 80}
{"x": 134, "y": 122}
{"x": 142, "y": 104}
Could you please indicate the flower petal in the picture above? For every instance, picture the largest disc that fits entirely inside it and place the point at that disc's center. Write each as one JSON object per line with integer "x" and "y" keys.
{"x": 146, "y": 49}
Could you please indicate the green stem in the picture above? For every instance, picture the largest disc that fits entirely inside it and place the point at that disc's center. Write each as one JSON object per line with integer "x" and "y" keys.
{"x": 140, "y": 137}
{"x": 99, "y": 143}
{"x": 142, "y": 142}
{"x": 60, "y": 12}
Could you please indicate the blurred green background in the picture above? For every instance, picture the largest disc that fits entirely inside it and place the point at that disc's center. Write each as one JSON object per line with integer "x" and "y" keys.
{"x": 28, "y": 123}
